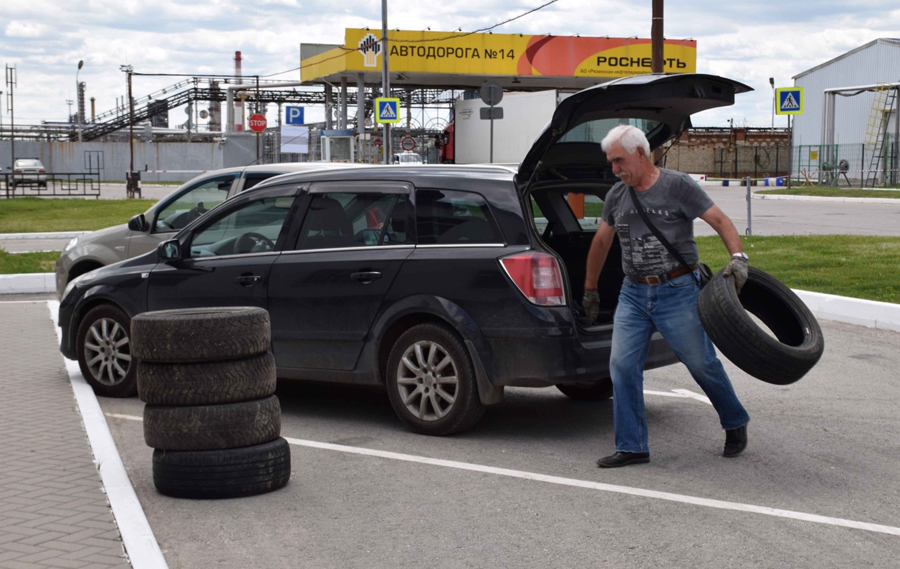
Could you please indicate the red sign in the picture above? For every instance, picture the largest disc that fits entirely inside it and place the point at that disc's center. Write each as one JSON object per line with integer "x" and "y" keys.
{"x": 377, "y": 142}
{"x": 408, "y": 143}
{"x": 257, "y": 123}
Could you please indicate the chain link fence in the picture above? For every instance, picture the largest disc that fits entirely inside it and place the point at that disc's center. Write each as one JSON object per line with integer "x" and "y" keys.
{"x": 739, "y": 161}
{"x": 855, "y": 165}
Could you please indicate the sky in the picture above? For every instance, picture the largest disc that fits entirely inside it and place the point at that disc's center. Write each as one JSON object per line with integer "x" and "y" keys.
{"x": 746, "y": 41}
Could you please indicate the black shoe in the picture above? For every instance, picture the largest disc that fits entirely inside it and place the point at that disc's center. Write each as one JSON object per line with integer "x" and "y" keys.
{"x": 623, "y": 459}
{"x": 735, "y": 441}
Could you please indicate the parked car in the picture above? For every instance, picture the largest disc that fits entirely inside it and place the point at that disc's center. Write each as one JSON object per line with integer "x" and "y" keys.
{"x": 407, "y": 158}
{"x": 429, "y": 280}
{"x": 28, "y": 172}
{"x": 166, "y": 218}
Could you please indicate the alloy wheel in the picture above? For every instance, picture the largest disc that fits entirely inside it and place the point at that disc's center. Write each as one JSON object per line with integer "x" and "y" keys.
{"x": 427, "y": 380}
{"x": 107, "y": 351}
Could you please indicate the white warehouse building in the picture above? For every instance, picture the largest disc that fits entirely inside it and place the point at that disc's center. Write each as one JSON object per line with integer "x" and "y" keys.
{"x": 865, "y": 122}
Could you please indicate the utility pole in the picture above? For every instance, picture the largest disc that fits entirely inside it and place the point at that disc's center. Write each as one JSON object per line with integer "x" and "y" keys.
{"x": 656, "y": 38}
{"x": 385, "y": 79}
{"x": 131, "y": 182}
{"x": 10, "y": 85}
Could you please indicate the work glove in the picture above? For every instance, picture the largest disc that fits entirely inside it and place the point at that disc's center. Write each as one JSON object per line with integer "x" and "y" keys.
{"x": 737, "y": 268}
{"x": 591, "y": 303}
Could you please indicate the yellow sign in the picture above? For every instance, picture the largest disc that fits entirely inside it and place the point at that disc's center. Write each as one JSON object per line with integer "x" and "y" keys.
{"x": 499, "y": 55}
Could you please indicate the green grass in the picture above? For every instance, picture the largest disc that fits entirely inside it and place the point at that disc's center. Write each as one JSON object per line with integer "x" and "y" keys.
{"x": 29, "y": 215}
{"x": 846, "y": 265}
{"x": 833, "y": 192}
{"x": 27, "y": 262}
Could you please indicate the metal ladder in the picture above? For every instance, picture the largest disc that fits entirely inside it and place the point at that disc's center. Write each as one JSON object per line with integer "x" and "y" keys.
{"x": 876, "y": 129}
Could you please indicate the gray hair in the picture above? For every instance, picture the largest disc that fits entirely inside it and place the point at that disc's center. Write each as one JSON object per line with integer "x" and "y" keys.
{"x": 630, "y": 137}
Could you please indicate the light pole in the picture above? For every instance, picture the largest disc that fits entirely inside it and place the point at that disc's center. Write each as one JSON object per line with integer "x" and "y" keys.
{"x": 772, "y": 83}
{"x": 78, "y": 97}
{"x": 69, "y": 102}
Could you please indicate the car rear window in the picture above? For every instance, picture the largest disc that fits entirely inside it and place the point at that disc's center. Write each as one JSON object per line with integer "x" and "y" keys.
{"x": 594, "y": 131}
{"x": 449, "y": 217}
{"x": 351, "y": 219}
{"x": 29, "y": 163}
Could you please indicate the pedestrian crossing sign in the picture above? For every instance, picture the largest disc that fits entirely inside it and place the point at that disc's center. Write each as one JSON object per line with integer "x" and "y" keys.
{"x": 790, "y": 101}
{"x": 387, "y": 110}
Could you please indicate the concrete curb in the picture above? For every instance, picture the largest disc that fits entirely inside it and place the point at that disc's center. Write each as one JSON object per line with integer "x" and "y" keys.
{"x": 757, "y": 196}
{"x": 51, "y": 235}
{"x": 137, "y": 536}
{"x": 869, "y": 313}
{"x": 28, "y": 283}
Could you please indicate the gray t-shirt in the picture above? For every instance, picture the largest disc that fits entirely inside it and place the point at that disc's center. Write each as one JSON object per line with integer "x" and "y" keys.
{"x": 672, "y": 204}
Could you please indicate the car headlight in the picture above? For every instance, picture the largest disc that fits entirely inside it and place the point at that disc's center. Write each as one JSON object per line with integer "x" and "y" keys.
{"x": 70, "y": 244}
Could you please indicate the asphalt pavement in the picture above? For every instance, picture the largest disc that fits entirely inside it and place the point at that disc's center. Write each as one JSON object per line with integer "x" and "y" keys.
{"x": 522, "y": 489}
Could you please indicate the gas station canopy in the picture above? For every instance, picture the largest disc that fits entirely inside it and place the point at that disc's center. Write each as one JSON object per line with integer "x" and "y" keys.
{"x": 466, "y": 60}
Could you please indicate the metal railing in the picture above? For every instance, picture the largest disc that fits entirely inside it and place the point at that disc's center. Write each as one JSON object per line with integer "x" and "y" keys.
{"x": 56, "y": 185}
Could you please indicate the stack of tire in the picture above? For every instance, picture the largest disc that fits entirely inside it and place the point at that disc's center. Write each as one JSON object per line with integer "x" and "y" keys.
{"x": 208, "y": 379}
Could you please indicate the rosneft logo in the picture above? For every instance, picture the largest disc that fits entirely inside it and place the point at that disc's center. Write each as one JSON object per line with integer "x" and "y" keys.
{"x": 370, "y": 47}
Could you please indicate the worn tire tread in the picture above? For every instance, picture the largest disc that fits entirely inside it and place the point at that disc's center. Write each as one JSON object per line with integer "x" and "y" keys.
{"x": 207, "y": 383}
{"x": 230, "y": 473}
{"x": 200, "y": 334}
{"x": 212, "y": 427}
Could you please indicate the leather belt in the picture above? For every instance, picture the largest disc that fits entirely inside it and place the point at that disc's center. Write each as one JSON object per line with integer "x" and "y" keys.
{"x": 655, "y": 280}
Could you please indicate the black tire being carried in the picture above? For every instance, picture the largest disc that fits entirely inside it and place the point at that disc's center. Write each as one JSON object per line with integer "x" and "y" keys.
{"x": 211, "y": 427}
{"x": 227, "y": 473}
{"x": 200, "y": 334}
{"x": 798, "y": 343}
{"x": 207, "y": 383}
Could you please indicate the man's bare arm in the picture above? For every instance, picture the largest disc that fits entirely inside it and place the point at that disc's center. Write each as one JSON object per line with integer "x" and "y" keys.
{"x": 597, "y": 254}
{"x": 722, "y": 224}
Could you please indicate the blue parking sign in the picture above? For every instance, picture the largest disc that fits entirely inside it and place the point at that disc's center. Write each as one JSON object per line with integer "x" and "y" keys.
{"x": 293, "y": 115}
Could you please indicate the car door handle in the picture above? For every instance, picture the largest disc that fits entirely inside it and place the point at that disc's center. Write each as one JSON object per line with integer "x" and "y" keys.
{"x": 366, "y": 277}
{"x": 248, "y": 280}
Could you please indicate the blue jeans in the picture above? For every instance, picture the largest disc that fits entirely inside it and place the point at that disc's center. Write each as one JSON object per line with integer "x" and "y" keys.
{"x": 670, "y": 308}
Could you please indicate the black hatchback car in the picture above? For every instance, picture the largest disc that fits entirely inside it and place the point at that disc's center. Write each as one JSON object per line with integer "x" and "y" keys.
{"x": 431, "y": 281}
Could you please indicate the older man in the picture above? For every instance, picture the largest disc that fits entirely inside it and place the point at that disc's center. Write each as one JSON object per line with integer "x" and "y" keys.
{"x": 658, "y": 292}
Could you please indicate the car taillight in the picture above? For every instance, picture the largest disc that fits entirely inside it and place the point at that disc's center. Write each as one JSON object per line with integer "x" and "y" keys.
{"x": 17, "y": 172}
{"x": 42, "y": 171}
{"x": 538, "y": 277}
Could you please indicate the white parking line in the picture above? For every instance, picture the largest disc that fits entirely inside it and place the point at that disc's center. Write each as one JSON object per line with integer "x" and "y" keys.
{"x": 616, "y": 489}
{"x": 137, "y": 536}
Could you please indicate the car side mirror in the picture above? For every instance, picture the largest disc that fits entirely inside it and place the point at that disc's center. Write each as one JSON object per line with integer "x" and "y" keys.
{"x": 138, "y": 223}
{"x": 169, "y": 251}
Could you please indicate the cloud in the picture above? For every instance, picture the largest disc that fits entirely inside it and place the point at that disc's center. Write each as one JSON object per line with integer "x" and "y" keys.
{"x": 748, "y": 42}
{"x": 17, "y": 29}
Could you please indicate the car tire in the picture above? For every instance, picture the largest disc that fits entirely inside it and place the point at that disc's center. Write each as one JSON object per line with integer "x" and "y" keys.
{"x": 437, "y": 394}
{"x": 593, "y": 391}
{"x": 230, "y": 473}
{"x": 798, "y": 343}
{"x": 104, "y": 349}
{"x": 212, "y": 427}
{"x": 207, "y": 383}
{"x": 200, "y": 334}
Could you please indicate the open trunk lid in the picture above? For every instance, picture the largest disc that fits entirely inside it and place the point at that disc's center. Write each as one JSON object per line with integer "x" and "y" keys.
{"x": 661, "y": 105}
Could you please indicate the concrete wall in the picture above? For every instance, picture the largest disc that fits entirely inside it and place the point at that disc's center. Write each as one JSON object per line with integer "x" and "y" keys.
{"x": 235, "y": 150}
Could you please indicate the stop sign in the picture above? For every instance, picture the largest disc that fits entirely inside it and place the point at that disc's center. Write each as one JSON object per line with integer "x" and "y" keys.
{"x": 257, "y": 123}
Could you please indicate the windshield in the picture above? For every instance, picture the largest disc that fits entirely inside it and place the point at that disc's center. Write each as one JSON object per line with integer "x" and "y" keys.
{"x": 20, "y": 163}
{"x": 594, "y": 131}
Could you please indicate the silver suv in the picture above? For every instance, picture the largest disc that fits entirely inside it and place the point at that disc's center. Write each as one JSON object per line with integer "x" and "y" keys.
{"x": 166, "y": 218}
